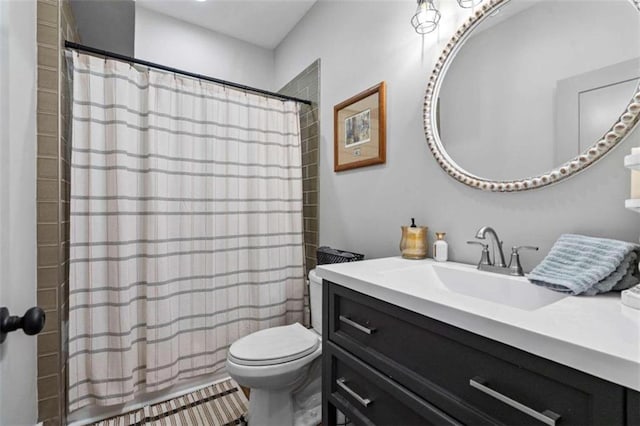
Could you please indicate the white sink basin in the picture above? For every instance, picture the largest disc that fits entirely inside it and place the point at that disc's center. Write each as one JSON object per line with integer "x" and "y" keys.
{"x": 516, "y": 292}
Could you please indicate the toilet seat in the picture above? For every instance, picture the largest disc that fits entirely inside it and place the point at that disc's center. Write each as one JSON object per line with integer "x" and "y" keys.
{"x": 274, "y": 345}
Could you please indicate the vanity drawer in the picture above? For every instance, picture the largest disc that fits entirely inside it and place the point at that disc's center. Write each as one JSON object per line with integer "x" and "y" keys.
{"x": 472, "y": 378}
{"x": 368, "y": 397}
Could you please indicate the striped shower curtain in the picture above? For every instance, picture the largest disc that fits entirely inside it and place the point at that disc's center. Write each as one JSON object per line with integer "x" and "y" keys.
{"x": 186, "y": 227}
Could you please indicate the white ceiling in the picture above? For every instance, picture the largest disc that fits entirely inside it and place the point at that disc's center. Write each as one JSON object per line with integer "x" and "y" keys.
{"x": 261, "y": 22}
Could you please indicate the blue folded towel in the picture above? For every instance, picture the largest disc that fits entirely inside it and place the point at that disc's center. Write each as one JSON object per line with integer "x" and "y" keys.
{"x": 578, "y": 264}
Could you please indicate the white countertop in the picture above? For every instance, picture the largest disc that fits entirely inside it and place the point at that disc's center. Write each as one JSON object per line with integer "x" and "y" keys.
{"x": 597, "y": 335}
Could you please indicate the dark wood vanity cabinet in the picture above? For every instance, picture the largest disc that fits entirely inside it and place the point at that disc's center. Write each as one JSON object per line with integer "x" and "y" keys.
{"x": 385, "y": 365}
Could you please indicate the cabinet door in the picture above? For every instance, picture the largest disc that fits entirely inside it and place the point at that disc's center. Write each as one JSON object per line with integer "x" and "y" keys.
{"x": 367, "y": 397}
{"x": 633, "y": 408}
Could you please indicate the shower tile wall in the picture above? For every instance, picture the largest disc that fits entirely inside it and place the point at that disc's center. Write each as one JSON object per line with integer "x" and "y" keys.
{"x": 55, "y": 24}
{"x": 306, "y": 85}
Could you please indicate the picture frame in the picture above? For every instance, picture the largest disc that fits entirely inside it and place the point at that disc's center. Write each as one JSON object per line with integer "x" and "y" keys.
{"x": 359, "y": 126}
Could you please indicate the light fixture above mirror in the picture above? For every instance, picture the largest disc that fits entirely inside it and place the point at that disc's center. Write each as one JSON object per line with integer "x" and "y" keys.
{"x": 427, "y": 15}
{"x": 468, "y": 4}
{"x": 426, "y": 18}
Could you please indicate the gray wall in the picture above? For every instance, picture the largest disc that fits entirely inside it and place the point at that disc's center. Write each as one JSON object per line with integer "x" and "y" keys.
{"x": 168, "y": 41}
{"x": 363, "y": 209}
{"x": 106, "y": 25}
{"x": 18, "y": 399}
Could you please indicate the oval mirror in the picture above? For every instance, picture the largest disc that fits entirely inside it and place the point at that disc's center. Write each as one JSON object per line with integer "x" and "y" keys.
{"x": 529, "y": 92}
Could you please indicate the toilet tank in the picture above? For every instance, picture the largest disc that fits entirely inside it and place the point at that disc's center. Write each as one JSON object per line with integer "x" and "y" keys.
{"x": 315, "y": 296}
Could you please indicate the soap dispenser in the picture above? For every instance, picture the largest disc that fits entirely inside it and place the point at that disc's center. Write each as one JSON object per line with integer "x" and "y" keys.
{"x": 413, "y": 244}
{"x": 440, "y": 248}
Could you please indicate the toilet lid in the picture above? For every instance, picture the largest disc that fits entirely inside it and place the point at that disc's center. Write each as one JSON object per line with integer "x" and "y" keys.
{"x": 274, "y": 345}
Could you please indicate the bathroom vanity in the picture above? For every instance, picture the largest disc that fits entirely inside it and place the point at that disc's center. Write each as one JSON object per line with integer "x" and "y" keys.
{"x": 416, "y": 342}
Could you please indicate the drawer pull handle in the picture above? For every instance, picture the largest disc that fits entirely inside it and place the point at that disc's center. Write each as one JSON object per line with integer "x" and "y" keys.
{"x": 547, "y": 417}
{"x": 355, "y": 325}
{"x": 364, "y": 401}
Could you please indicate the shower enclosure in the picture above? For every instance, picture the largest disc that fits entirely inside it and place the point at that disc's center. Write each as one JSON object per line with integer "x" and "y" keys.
{"x": 186, "y": 225}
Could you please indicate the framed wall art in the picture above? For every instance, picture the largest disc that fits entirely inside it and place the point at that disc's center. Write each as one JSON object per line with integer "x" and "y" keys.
{"x": 359, "y": 126}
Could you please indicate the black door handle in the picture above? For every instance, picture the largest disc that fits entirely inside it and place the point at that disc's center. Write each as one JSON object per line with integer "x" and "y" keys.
{"x": 32, "y": 322}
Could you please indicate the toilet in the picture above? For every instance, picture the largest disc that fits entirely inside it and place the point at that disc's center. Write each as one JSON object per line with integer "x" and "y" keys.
{"x": 278, "y": 361}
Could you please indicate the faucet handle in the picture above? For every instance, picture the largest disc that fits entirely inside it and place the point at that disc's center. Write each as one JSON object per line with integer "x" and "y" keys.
{"x": 516, "y": 249}
{"x": 514, "y": 263}
{"x": 478, "y": 243}
{"x": 485, "y": 259}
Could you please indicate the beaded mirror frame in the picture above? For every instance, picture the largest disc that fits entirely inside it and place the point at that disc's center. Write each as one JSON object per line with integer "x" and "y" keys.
{"x": 618, "y": 131}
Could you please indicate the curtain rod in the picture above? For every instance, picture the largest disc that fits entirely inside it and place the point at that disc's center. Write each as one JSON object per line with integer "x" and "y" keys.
{"x": 88, "y": 49}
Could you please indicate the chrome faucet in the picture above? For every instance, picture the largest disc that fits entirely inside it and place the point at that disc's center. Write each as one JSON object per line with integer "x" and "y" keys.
{"x": 481, "y": 235}
{"x": 485, "y": 264}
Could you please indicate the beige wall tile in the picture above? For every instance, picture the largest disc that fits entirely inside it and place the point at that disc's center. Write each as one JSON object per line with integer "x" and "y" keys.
{"x": 47, "y": 56}
{"x": 310, "y": 261}
{"x": 47, "y": 13}
{"x": 311, "y": 237}
{"x": 47, "y": 213}
{"x": 65, "y": 210}
{"x": 306, "y": 85}
{"x": 47, "y": 190}
{"x": 47, "y": 299}
{"x": 63, "y": 272}
{"x": 310, "y": 157}
{"x": 48, "y": 255}
{"x": 47, "y": 79}
{"x": 48, "y": 343}
{"x": 312, "y": 169}
{"x": 48, "y": 387}
{"x": 65, "y": 170}
{"x": 47, "y": 123}
{"x": 64, "y": 250}
{"x": 64, "y": 309}
{"x": 48, "y": 102}
{"x": 47, "y": 168}
{"x": 310, "y": 184}
{"x": 64, "y": 295}
{"x": 311, "y": 224}
{"x": 64, "y": 190}
{"x": 55, "y": 23}
{"x": 47, "y": 145}
{"x": 47, "y": 34}
{"x": 48, "y": 234}
{"x": 48, "y": 408}
{"x": 48, "y": 365}
{"x": 310, "y": 211}
{"x": 310, "y": 250}
{"x": 51, "y": 322}
{"x": 311, "y": 197}
{"x": 310, "y": 144}
{"x": 47, "y": 277}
